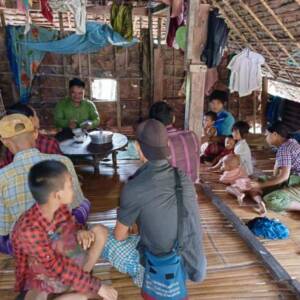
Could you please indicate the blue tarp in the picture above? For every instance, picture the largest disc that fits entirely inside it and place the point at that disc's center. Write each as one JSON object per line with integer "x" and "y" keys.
{"x": 97, "y": 36}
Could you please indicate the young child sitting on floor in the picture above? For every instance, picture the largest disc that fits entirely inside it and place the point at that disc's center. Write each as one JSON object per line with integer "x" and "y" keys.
{"x": 239, "y": 131}
{"x": 209, "y": 149}
{"x": 50, "y": 247}
{"x": 209, "y": 120}
{"x": 229, "y": 149}
{"x": 235, "y": 175}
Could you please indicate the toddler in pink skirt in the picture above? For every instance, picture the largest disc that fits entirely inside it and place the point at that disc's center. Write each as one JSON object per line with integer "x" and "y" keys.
{"x": 239, "y": 182}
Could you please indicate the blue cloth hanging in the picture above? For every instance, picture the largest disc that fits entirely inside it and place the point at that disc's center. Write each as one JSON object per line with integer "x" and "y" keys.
{"x": 97, "y": 36}
{"x": 268, "y": 228}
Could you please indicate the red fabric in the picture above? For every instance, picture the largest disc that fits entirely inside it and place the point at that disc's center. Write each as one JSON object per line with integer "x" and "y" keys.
{"x": 44, "y": 144}
{"x": 46, "y": 10}
{"x": 31, "y": 241}
{"x": 185, "y": 151}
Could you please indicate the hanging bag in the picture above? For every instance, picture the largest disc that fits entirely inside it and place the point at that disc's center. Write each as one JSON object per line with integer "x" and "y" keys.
{"x": 165, "y": 276}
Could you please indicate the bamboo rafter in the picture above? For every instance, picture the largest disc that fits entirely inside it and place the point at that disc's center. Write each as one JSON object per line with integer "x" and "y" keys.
{"x": 234, "y": 28}
{"x": 253, "y": 15}
{"x": 246, "y": 26}
{"x": 277, "y": 19}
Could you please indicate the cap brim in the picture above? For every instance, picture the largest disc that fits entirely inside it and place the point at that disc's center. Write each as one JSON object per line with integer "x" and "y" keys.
{"x": 154, "y": 153}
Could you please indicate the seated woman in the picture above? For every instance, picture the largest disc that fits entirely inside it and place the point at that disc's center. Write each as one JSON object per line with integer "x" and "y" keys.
{"x": 75, "y": 111}
{"x": 282, "y": 191}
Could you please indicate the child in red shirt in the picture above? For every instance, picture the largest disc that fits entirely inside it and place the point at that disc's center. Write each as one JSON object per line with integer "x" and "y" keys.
{"x": 50, "y": 247}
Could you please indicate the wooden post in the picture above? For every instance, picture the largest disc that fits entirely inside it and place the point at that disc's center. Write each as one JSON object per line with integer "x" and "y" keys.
{"x": 118, "y": 102}
{"x": 254, "y": 97}
{"x": 264, "y": 100}
{"x": 196, "y": 71}
{"x": 61, "y": 34}
{"x": 151, "y": 48}
{"x": 146, "y": 77}
{"x": 196, "y": 77}
{"x": 158, "y": 75}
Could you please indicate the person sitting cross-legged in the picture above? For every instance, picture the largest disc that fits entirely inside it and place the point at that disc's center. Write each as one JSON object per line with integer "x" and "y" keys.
{"x": 76, "y": 111}
{"x": 54, "y": 254}
{"x": 149, "y": 199}
{"x": 282, "y": 190}
{"x": 18, "y": 134}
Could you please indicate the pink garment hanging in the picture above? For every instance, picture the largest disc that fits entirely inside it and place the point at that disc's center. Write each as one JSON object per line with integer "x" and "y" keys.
{"x": 175, "y": 23}
{"x": 46, "y": 10}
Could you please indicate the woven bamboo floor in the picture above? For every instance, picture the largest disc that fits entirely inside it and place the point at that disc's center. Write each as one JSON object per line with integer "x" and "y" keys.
{"x": 234, "y": 272}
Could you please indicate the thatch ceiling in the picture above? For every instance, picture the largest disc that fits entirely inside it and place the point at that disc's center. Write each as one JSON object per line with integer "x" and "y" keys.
{"x": 270, "y": 27}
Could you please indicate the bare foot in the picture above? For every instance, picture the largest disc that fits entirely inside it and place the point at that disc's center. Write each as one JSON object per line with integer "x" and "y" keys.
{"x": 240, "y": 198}
{"x": 261, "y": 210}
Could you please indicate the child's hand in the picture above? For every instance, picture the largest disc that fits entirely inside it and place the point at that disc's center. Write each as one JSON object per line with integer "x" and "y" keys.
{"x": 85, "y": 238}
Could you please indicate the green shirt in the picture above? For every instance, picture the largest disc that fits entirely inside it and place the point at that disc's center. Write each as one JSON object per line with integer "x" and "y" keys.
{"x": 65, "y": 111}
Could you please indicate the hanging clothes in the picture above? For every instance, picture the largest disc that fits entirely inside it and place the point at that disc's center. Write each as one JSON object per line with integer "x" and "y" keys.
{"x": 46, "y": 10}
{"x": 121, "y": 20}
{"x": 216, "y": 39}
{"x": 175, "y": 23}
{"x": 76, "y": 7}
{"x": 97, "y": 36}
{"x": 176, "y": 7}
{"x": 246, "y": 74}
{"x": 275, "y": 109}
{"x": 24, "y": 62}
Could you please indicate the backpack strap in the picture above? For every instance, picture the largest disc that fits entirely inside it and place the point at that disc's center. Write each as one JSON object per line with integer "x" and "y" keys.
{"x": 180, "y": 209}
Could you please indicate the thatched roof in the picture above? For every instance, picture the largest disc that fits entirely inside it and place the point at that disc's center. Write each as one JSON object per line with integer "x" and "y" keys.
{"x": 270, "y": 27}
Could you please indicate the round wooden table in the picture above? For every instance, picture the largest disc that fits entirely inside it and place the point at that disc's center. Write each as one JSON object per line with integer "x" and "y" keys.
{"x": 75, "y": 150}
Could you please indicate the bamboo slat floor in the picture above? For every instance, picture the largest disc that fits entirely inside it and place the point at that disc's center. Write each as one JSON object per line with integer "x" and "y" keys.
{"x": 234, "y": 272}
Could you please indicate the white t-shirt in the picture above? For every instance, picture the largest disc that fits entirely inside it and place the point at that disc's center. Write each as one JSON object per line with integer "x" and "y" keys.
{"x": 243, "y": 150}
{"x": 245, "y": 72}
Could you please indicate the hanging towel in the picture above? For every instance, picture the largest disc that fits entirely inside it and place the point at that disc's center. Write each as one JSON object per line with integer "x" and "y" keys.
{"x": 175, "y": 23}
{"x": 23, "y": 61}
{"x": 97, "y": 37}
{"x": 76, "y": 7}
{"x": 46, "y": 10}
{"x": 121, "y": 20}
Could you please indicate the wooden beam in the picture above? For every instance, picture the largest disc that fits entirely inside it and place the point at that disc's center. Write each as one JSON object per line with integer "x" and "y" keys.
{"x": 254, "y": 99}
{"x": 278, "y": 20}
{"x": 145, "y": 68}
{"x": 253, "y": 34}
{"x": 158, "y": 75}
{"x": 253, "y": 15}
{"x": 275, "y": 268}
{"x": 196, "y": 71}
{"x": 61, "y": 34}
{"x": 197, "y": 76}
{"x": 151, "y": 48}
{"x": 239, "y": 33}
{"x": 264, "y": 101}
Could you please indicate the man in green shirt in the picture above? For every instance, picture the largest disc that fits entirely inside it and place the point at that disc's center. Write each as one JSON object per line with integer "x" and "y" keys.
{"x": 72, "y": 111}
